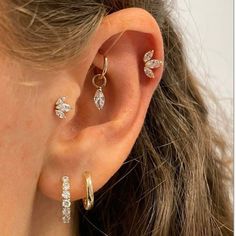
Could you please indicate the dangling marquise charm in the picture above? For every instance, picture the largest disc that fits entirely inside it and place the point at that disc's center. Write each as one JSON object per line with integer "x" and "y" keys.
{"x": 99, "y": 99}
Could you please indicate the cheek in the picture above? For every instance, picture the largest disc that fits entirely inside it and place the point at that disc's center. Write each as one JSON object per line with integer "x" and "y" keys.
{"x": 23, "y": 131}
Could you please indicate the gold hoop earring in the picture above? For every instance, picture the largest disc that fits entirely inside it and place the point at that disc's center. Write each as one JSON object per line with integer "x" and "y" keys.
{"x": 88, "y": 201}
{"x": 99, "y": 97}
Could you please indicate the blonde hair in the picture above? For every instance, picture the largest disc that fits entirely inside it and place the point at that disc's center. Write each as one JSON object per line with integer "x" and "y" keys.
{"x": 174, "y": 180}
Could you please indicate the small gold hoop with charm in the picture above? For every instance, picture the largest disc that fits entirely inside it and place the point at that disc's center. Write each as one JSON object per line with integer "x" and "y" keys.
{"x": 99, "y": 98}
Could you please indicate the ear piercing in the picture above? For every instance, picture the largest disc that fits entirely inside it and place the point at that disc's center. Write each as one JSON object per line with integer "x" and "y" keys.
{"x": 99, "y": 97}
{"x": 61, "y": 107}
{"x": 150, "y": 64}
{"x": 66, "y": 203}
{"x": 88, "y": 201}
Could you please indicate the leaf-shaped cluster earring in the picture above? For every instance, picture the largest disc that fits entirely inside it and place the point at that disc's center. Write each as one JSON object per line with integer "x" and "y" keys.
{"x": 99, "y": 97}
{"x": 62, "y": 107}
{"x": 151, "y": 64}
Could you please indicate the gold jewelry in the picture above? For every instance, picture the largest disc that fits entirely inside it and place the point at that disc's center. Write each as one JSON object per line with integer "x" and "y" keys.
{"x": 151, "y": 64}
{"x": 66, "y": 202}
{"x": 88, "y": 201}
{"x": 99, "y": 97}
{"x": 62, "y": 107}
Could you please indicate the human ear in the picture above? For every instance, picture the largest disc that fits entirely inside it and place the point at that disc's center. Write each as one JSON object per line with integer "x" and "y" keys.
{"x": 95, "y": 140}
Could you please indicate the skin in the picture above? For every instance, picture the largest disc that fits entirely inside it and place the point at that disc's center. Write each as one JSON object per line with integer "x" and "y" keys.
{"x": 37, "y": 148}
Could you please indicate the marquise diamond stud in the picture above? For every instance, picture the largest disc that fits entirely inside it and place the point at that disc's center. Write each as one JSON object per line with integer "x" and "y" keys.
{"x": 151, "y": 64}
{"x": 61, "y": 107}
{"x": 66, "y": 203}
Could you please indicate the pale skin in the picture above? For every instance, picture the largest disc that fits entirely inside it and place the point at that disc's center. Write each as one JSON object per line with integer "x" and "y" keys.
{"x": 37, "y": 148}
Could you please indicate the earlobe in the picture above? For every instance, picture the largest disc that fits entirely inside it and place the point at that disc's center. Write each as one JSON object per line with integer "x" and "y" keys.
{"x": 102, "y": 139}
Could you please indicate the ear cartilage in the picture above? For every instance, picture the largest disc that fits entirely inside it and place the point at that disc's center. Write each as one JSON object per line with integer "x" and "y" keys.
{"x": 151, "y": 64}
{"x": 61, "y": 107}
{"x": 66, "y": 203}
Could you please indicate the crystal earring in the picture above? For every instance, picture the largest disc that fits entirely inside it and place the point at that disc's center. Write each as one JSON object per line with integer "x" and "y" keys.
{"x": 88, "y": 201}
{"x": 151, "y": 64}
{"x": 99, "y": 97}
{"x": 61, "y": 107}
{"x": 66, "y": 203}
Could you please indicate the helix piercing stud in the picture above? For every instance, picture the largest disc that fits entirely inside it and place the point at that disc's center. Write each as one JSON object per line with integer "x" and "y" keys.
{"x": 151, "y": 64}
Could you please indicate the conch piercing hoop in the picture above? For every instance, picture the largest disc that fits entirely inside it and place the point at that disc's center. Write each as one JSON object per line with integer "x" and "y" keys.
{"x": 151, "y": 64}
{"x": 88, "y": 201}
{"x": 66, "y": 203}
{"x": 99, "y": 98}
{"x": 61, "y": 107}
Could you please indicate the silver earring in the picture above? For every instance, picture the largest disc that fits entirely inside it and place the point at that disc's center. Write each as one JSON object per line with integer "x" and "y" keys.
{"x": 61, "y": 107}
{"x": 151, "y": 64}
{"x": 99, "y": 98}
{"x": 66, "y": 203}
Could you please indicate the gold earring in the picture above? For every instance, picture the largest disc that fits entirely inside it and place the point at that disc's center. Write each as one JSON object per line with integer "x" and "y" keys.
{"x": 88, "y": 201}
{"x": 99, "y": 97}
{"x": 151, "y": 64}
{"x": 62, "y": 107}
{"x": 66, "y": 202}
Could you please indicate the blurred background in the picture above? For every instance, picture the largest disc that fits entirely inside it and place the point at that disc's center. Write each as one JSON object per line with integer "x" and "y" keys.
{"x": 207, "y": 28}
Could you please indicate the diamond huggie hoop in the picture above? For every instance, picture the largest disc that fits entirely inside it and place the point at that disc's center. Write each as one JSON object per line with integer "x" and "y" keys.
{"x": 99, "y": 97}
{"x": 66, "y": 203}
{"x": 150, "y": 64}
{"x": 61, "y": 107}
{"x": 88, "y": 201}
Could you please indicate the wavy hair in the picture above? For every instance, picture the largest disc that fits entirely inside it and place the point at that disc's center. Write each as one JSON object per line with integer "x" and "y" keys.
{"x": 174, "y": 181}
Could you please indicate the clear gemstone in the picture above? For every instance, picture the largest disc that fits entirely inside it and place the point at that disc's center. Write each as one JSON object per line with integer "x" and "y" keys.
{"x": 153, "y": 64}
{"x": 59, "y": 101}
{"x": 66, "y": 219}
{"x": 65, "y": 178}
{"x": 66, "y": 186}
{"x": 149, "y": 73}
{"x": 63, "y": 107}
{"x": 148, "y": 55}
{"x": 60, "y": 114}
{"x": 66, "y": 203}
{"x": 99, "y": 99}
{"x": 65, "y": 194}
{"x": 66, "y": 211}
{"x": 66, "y": 107}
